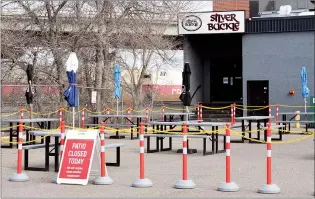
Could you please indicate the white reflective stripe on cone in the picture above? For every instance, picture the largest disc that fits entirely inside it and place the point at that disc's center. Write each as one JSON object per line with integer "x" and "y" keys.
{"x": 184, "y": 137}
{"x": 141, "y": 149}
{"x": 268, "y": 153}
{"x": 19, "y": 146}
{"x": 228, "y": 152}
{"x": 141, "y": 137}
{"x": 184, "y": 150}
{"x": 228, "y": 139}
{"x": 102, "y": 148}
{"x": 268, "y": 139}
{"x": 62, "y": 136}
{"x": 83, "y": 118}
{"x": 61, "y": 147}
{"x": 102, "y": 136}
{"x": 20, "y": 134}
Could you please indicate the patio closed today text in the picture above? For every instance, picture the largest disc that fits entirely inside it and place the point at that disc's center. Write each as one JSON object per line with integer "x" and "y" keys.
{"x": 74, "y": 155}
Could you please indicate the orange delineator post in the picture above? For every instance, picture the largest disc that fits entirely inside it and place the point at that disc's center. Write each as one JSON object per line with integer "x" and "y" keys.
{"x": 22, "y": 112}
{"x": 102, "y": 135}
{"x": 60, "y": 116}
{"x": 142, "y": 182}
{"x": 163, "y": 112}
{"x": 184, "y": 183}
{"x": 200, "y": 113}
{"x": 103, "y": 179}
{"x": 228, "y": 186}
{"x": 269, "y": 188}
{"x": 82, "y": 118}
{"x": 232, "y": 118}
{"x": 107, "y": 113}
{"x": 19, "y": 176}
{"x": 234, "y": 113}
{"x": 62, "y": 138}
{"x": 269, "y": 110}
{"x": 277, "y": 114}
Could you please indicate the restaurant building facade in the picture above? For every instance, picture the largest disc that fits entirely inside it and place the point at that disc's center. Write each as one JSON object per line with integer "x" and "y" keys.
{"x": 254, "y": 61}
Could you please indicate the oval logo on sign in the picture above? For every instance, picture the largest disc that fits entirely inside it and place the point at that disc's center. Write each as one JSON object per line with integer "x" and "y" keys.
{"x": 191, "y": 23}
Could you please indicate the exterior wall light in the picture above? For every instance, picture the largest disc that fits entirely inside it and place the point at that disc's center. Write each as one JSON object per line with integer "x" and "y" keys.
{"x": 292, "y": 92}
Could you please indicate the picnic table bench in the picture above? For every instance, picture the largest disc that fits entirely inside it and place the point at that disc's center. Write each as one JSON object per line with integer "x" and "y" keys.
{"x": 56, "y": 146}
{"x": 160, "y": 137}
{"x": 288, "y": 122}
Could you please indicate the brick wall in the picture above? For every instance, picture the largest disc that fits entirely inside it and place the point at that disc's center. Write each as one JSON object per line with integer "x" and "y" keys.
{"x": 226, "y": 5}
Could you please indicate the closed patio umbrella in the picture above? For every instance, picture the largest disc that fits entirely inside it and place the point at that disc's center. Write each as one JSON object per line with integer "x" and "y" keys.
{"x": 71, "y": 94}
{"x": 305, "y": 90}
{"x": 185, "y": 95}
{"x": 29, "y": 94}
{"x": 117, "y": 91}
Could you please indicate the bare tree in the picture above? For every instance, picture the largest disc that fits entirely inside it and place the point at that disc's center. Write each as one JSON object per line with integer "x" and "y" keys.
{"x": 96, "y": 30}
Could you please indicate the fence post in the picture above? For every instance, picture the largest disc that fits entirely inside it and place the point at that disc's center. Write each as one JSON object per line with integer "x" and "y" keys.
{"x": 19, "y": 176}
{"x": 269, "y": 188}
{"x": 104, "y": 179}
{"x": 184, "y": 183}
{"x": 142, "y": 182}
{"x": 228, "y": 186}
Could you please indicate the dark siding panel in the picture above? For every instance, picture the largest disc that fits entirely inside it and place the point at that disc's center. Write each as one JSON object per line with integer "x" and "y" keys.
{"x": 283, "y": 24}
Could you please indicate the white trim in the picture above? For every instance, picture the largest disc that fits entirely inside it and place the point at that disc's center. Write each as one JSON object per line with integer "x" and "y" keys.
{"x": 141, "y": 149}
{"x": 141, "y": 137}
{"x": 228, "y": 152}
{"x": 19, "y": 146}
{"x": 83, "y": 118}
{"x": 102, "y": 136}
{"x": 20, "y": 134}
{"x": 268, "y": 153}
{"x": 228, "y": 139}
{"x": 102, "y": 148}
{"x": 185, "y": 138}
{"x": 184, "y": 150}
{"x": 268, "y": 139}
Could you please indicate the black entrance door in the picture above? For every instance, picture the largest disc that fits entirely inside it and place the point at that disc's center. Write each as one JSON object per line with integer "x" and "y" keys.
{"x": 226, "y": 80}
{"x": 258, "y": 95}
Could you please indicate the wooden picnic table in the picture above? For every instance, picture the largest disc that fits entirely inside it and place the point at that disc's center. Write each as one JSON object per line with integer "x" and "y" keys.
{"x": 41, "y": 122}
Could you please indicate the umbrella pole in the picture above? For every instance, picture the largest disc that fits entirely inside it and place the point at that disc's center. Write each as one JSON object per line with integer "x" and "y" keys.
{"x": 305, "y": 104}
{"x": 117, "y": 105}
{"x": 73, "y": 118}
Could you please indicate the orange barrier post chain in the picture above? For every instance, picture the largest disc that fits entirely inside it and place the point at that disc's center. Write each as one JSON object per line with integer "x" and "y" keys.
{"x": 19, "y": 176}
{"x": 104, "y": 179}
{"x": 184, "y": 183}
{"x": 142, "y": 182}
{"x": 228, "y": 186}
{"x": 269, "y": 188}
